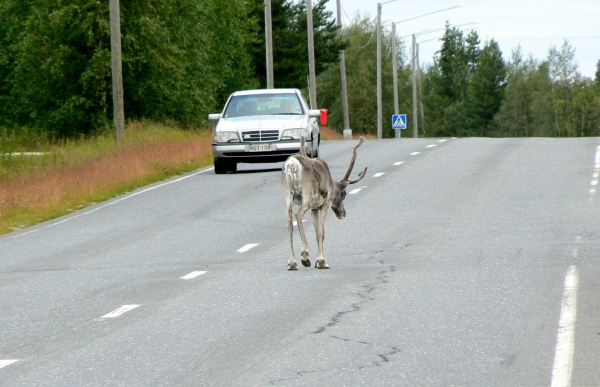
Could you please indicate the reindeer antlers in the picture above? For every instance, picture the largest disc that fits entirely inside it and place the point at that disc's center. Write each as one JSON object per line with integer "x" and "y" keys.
{"x": 361, "y": 174}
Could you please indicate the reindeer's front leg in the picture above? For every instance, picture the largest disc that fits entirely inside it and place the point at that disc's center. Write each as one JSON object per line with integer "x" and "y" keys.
{"x": 319, "y": 222}
{"x": 299, "y": 217}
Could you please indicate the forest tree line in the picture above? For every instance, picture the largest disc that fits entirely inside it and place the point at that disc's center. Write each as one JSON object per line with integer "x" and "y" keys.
{"x": 182, "y": 59}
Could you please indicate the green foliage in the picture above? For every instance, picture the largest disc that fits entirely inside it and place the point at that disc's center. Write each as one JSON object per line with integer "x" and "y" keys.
{"x": 548, "y": 98}
{"x": 290, "y": 42}
{"x": 471, "y": 92}
{"x": 59, "y": 64}
{"x": 361, "y": 74}
{"x": 485, "y": 91}
{"x": 445, "y": 85}
{"x": 180, "y": 61}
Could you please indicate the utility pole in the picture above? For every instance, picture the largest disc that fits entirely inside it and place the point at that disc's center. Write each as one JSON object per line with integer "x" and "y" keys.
{"x": 311, "y": 56}
{"x": 414, "y": 80}
{"x": 117, "y": 71}
{"x": 395, "y": 73}
{"x": 343, "y": 71}
{"x": 420, "y": 93}
{"x": 269, "y": 45}
{"x": 379, "y": 96}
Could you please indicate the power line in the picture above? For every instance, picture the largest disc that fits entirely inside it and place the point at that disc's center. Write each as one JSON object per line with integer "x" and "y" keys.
{"x": 551, "y": 38}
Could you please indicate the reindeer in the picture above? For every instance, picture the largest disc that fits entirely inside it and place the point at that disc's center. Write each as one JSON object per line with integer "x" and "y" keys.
{"x": 307, "y": 182}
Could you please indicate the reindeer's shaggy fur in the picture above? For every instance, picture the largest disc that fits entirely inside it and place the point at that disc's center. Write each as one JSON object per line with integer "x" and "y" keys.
{"x": 308, "y": 183}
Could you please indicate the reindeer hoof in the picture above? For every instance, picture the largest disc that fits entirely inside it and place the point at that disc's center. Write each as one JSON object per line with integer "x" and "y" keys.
{"x": 305, "y": 262}
{"x": 292, "y": 266}
{"x": 321, "y": 264}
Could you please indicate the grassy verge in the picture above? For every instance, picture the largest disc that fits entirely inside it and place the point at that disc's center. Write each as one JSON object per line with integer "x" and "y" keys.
{"x": 70, "y": 175}
{"x": 75, "y": 174}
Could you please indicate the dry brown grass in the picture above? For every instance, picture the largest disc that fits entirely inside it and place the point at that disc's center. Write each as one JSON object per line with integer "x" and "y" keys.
{"x": 72, "y": 176}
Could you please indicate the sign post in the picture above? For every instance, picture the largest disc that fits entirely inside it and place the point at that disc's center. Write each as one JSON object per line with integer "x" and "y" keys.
{"x": 399, "y": 123}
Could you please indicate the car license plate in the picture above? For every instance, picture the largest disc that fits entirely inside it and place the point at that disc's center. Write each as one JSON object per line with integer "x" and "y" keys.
{"x": 260, "y": 147}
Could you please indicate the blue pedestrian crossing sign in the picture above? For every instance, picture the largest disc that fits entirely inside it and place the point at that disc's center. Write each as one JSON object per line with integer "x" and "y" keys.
{"x": 399, "y": 121}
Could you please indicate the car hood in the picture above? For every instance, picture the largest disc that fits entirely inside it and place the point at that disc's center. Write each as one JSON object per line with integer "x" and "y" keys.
{"x": 260, "y": 123}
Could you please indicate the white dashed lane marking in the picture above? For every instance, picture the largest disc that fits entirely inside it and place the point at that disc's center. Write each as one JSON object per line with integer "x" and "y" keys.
{"x": 356, "y": 190}
{"x": 193, "y": 274}
{"x": 295, "y": 223}
{"x": 247, "y": 247}
{"x": 430, "y": 146}
{"x": 399, "y": 162}
{"x": 379, "y": 174}
{"x": 415, "y": 153}
{"x": 119, "y": 311}
{"x": 4, "y": 363}
{"x": 442, "y": 140}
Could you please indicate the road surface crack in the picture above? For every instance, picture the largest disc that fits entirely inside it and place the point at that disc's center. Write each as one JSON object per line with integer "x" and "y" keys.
{"x": 365, "y": 295}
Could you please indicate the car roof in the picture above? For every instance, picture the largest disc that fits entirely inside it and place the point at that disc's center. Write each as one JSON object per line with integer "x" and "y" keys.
{"x": 265, "y": 91}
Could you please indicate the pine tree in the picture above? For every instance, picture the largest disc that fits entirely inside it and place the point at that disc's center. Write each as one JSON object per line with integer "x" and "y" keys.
{"x": 597, "y": 76}
{"x": 485, "y": 91}
{"x": 473, "y": 50}
{"x": 452, "y": 83}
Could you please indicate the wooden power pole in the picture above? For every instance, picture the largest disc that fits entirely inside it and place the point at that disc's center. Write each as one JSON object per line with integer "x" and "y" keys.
{"x": 343, "y": 71}
{"x": 312, "y": 87}
{"x": 269, "y": 45}
{"x": 117, "y": 71}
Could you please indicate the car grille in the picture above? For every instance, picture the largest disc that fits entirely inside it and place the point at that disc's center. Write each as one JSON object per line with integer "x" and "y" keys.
{"x": 260, "y": 135}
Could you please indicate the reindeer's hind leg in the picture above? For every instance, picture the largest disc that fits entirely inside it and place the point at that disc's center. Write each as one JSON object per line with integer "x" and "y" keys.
{"x": 299, "y": 217}
{"x": 292, "y": 265}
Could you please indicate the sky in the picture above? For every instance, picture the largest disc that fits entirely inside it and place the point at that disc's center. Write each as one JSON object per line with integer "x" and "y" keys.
{"x": 535, "y": 25}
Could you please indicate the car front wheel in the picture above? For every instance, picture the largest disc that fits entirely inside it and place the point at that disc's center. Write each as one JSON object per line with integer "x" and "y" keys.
{"x": 221, "y": 166}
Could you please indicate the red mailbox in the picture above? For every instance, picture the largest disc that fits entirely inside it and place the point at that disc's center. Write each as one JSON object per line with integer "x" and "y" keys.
{"x": 323, "y": 118}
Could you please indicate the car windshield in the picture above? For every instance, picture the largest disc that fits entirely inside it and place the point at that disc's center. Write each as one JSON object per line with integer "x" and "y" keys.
{"x": 263, "y": 104}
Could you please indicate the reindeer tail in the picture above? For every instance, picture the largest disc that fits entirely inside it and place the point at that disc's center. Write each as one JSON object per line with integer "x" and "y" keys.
{"x": 302, "y": 146}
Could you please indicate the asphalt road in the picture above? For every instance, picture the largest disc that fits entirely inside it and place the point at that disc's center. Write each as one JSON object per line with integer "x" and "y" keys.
{"x": 474, "y": 262}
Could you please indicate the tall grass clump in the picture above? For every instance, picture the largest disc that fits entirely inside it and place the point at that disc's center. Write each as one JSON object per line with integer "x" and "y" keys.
{"x": 70, "y": 174}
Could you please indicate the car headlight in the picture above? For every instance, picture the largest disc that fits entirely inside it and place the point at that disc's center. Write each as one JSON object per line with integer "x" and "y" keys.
{"x": 294, "y": 134}
{"x": 226, "y": 137}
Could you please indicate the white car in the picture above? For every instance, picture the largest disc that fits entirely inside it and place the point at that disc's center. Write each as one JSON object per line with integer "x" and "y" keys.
{"x": 258, "y": 126}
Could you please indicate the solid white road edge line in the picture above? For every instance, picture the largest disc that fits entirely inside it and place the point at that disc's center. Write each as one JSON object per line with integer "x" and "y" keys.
{"x": 247, "y": 247}
{"x": 4, "y": 363}
{"x": 119, "y": 311}
{"x": 113, "y": 202}
{"x": 594, "y": 182}
{"x": 565, "y": 340}
{"x": 193, "y": 274}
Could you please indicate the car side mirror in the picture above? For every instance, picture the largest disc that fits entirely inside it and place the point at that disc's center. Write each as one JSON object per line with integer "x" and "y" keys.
{"x": 314, "y": 113}
{"x": 214, "y": 117}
